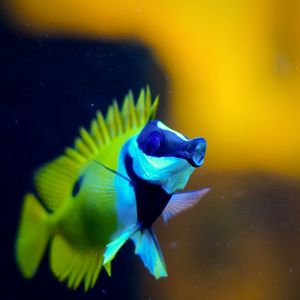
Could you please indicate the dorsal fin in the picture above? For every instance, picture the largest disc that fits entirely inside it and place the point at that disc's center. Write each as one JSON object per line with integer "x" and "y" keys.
{"x": 117, "y": 122}
{"x": 55, "y": 181}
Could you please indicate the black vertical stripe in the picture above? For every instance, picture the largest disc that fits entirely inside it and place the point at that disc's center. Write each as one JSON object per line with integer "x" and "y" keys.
{"x": 151, "y": 199}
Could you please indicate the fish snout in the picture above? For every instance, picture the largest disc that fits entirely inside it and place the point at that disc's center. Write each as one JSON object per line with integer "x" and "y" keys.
{"x": 196, "y": 151}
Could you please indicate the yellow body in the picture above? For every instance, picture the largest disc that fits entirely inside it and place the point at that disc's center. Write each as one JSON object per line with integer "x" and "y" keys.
{"x": 81, "y": 224}
{"x": 79, "y": 216}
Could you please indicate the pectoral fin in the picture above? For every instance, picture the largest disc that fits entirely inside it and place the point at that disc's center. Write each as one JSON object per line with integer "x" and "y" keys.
{"x": 182, "y": 201}
{"x": 97, "y": 181}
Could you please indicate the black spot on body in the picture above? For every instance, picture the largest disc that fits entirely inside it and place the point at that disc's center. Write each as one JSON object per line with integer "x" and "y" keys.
{"x": 151, "y": 199}
{"x": 77, "y": 186}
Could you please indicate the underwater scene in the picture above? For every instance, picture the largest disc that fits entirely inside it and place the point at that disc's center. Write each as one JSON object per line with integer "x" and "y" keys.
{"x": 150, "y": 149}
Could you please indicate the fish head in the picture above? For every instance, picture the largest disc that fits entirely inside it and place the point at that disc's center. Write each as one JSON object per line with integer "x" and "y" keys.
{"x": 165, "y": 157}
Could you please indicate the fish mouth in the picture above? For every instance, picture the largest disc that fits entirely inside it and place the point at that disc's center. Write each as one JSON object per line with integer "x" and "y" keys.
{"x": 195, "y": 152}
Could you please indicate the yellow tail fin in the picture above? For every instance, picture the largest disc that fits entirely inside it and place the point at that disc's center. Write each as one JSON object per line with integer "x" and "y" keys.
{"x": 32, "y": 236}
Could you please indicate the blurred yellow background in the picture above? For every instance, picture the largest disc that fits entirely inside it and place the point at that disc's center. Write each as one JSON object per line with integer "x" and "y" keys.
{"x": 234, "y": 75}
{"x": 233, "y": 67}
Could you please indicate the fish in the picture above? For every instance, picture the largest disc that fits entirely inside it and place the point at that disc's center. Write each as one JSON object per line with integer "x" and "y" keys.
{"x": 122, "y": 174}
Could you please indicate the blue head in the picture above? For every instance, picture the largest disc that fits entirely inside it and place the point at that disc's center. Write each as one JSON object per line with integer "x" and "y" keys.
{"x": 165, "y": 157}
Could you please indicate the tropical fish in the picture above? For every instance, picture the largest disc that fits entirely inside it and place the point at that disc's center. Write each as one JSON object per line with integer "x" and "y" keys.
{"x": 118, "y": 179}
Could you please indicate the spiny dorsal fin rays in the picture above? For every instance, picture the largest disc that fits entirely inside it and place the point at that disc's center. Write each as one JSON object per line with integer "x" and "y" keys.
{"x": 110, "y": 121}
{"x": 153, "y": 109}
{"x": 141, "y": 107}
{"x": 132, "y": 112}
{"x": 82, "y": 148}
{"x": 125, "y": 114}
{"x": 55, "y": 181}
{"x": 114, "y": 121}
{"x": 103, "y": 127}
{"x": 96, "y": 134}
{"x": 147, "y": 102}
{"x": 118, "y": 118}
{"x": 104, "y": 130}
{"x": 88, "y": 140}
{"x": 75, "y": 155}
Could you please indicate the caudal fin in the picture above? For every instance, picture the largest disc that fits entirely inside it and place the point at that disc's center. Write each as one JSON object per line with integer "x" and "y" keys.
{"x": 147, "y": 248}
{"x": 32, "y": 236}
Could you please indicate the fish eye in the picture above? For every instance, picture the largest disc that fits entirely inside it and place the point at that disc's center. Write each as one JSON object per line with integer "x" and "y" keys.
{"x": 153, "y": 142}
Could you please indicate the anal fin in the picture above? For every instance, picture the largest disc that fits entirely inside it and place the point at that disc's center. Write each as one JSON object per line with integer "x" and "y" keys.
{"x": 75, "y": 266}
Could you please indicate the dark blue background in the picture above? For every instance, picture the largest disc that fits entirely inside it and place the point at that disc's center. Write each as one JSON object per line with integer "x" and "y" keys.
{"x": 48, "y": 88}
